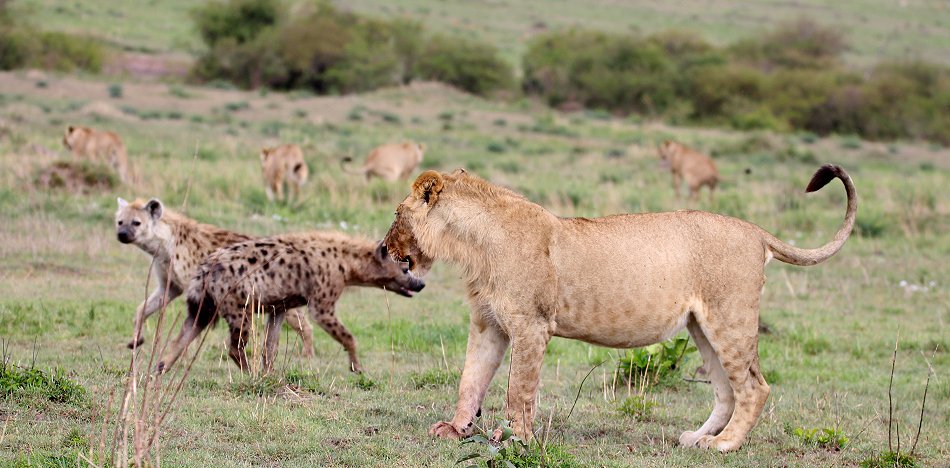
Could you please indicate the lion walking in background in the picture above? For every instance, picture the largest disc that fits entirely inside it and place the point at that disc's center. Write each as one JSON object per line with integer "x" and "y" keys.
{"x": 391, "y": 162}
{"x": 98, "y": 145}
{"x": 281, "y": 165}
{"x": 687, "y": 164}
{"x": 620, "y": 281}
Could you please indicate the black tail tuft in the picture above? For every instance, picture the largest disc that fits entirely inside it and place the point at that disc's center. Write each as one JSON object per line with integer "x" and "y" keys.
{"x": 203, "y": 309}
{"x": 825, "y": 174}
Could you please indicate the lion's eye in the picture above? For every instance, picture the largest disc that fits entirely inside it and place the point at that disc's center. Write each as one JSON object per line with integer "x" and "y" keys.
{"x": 136, "y": 223}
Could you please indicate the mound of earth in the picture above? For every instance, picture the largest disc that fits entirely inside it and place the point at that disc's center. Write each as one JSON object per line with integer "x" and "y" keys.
{"x": 76, "y": 177}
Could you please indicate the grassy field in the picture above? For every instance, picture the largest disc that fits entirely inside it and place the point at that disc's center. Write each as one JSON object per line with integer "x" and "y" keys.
{"x": 876, "y": 29}
{"x": 68, "y": 288}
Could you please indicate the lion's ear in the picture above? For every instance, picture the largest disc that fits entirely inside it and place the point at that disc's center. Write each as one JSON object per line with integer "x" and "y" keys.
{"x": 70, "y": 129}
{"x": 154, "y": 208}
{"x": 428, "y": 186}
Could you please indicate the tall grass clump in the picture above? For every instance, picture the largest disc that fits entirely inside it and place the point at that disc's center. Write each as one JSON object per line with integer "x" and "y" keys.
{"x": 23, "y": 45}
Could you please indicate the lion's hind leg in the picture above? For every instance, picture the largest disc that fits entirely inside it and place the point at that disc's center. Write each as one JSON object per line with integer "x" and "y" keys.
{"x": 734, "y": 338}
{"x": 725, "y": 399}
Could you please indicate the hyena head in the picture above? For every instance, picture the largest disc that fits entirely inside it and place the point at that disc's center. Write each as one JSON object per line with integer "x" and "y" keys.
{"x": 135, "y": 221}
{"x": 386, "y": 273}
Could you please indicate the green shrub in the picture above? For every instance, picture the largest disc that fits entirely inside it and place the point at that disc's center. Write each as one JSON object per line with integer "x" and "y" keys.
{"x": 827, "y": 437}
{"x": 637, "y": 406}
{"x": 54, "y": 386}
{"x": 468, "y": 64}
{"x": 433, "y": 378}
{"x": 801, "y": 43}
{"x": 512, "y": 452}
{"x": 890, "y": 460}
{"x": 659, "y": 362}
{"x": 115, "y": 90}
{"x": 22, "y": 46}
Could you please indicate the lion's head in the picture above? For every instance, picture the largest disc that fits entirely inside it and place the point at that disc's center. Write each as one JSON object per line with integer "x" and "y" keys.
{"x": 401, "y": 240}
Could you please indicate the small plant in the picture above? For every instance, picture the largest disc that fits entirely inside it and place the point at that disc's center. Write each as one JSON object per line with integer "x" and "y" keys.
{"x": 495, "y": 147}
{"x": 365, "y": 383}
{"x": 389, "y": 117}
{"x": 75, "y": 439}
{"x": 615, "y": 153}
{"x": 500, "y": 122}
{"x": 179, "y": 91}
{"x": 512, "y": 452}
{"x": 637, "y": 406}
{"x": 257, "y": 385}
{"x": 54, "y": 386}
{"x": 304, "y": 380}
{"x": 828, "y": 437}
{"x": 851, "y": 143}
{"x": 115, "y": 90}
{"x": 300, "y": 113}
{"x": 237, "y": 106}
{"x": 890, "y": 460}
{"x": 659, "y": 362}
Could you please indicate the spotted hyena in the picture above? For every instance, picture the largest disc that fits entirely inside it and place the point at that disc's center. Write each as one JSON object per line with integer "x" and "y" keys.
{"x": 278, "y": 273}
{"x": 177, "y": 245}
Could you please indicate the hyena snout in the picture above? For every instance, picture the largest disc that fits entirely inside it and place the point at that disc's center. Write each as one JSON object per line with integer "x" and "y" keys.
{"x": 125, "y": 235}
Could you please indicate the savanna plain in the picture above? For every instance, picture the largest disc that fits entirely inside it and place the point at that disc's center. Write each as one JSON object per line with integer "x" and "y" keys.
{"x": 68, "y": 289}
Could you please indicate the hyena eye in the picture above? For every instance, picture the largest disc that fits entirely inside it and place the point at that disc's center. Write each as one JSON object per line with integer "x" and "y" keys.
{"x": 120, "y": 222}
{"x": 136, "y": 223}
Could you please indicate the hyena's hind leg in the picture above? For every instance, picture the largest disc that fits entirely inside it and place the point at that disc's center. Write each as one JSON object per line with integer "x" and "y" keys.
{"x": 271, "y": 340}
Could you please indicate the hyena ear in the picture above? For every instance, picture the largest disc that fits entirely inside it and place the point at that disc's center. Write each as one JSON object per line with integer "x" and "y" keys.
{"x": 155, "y": 209}
{"x": 122, "y": 202}
{"x": 428, "y": 186}
{"x": 382, "y": 253}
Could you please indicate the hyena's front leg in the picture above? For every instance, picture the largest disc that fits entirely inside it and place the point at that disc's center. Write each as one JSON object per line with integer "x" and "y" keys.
{"x": 324, "y": 315}
{"x": 486, "y": 347}
{"x": 159, "y": 298}
{"x": 527, "y": 355}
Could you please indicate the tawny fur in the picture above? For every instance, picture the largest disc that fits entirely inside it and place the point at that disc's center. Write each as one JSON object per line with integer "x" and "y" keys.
{"x": 275, "y": 274}
{"x": 177, "y": 244}
{"x": 619, "y": 281}
{"x": 100, "y": 146}
{"x": 392, "y": 161}
{"x": 691, "y": 166}
{"x": 282, "y": 165}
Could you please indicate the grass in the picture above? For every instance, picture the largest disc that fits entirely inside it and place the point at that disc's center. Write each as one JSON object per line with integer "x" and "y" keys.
{"x": 68, "y": 289}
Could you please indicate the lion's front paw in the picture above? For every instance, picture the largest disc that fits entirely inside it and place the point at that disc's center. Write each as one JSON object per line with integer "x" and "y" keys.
{"x": 445, "y": 430}
{"x": 719, "y": 443}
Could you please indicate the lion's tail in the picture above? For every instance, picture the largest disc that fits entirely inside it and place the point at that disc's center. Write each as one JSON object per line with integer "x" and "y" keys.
{"x": 343, "y": 166}
{"x": 805, "y": 257}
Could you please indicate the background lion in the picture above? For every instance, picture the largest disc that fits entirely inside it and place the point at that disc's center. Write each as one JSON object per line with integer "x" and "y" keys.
{"x": 281, "y": 165}
{"x": 620, "y": 281}
{"x": 98, "y": 145}
{"x": 392, "y": 161}
{"x": 690, "y": 165}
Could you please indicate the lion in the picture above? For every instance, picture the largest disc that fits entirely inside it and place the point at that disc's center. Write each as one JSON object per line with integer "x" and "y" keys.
{"x": 620, "y": 281}
{"x": 98, "y": 145}
{"x": 390, "y": 162}
{"x": 283, "y": 164}
{"x": 690, "y": 165}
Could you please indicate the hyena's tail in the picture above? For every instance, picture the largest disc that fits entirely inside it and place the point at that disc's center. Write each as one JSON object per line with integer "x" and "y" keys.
{"x": 804, "y": 257}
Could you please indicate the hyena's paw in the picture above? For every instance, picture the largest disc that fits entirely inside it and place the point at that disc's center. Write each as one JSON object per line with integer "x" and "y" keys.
{"x": 136, "y": 343}
{"x": 445, "y": 430}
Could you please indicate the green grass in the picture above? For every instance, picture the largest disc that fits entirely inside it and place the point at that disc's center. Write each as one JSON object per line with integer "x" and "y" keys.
{"x": 68, "y": 288}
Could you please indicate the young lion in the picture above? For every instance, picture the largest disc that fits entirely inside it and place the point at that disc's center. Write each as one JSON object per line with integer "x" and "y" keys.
{"x": 177, "y": 245}
{"x": 690, "y": 165}
{"x": 392, "y": 161}
{"x": 283, "y": 164}
{"x": 98, "y": 145}
{"x": 279, "y": 273}
{"x": 620, "y": 281}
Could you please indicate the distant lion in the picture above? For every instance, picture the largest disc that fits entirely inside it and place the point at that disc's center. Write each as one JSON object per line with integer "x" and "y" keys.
{"x": 620, "y": 281}
{"x": 283, "y": 164}
{"x": 391, "y": 162}
{"x": 98, "y": 145}
{"x": 690, "y": 165}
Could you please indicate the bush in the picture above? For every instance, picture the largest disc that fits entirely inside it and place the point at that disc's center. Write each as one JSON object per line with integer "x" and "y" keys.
{"x": 255, "y": 43}
{"x": 23, "y": 46}
{"x": 473, "y": 66}
{"x": 802, "y": 43}
{"x": 610, "y": 71}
